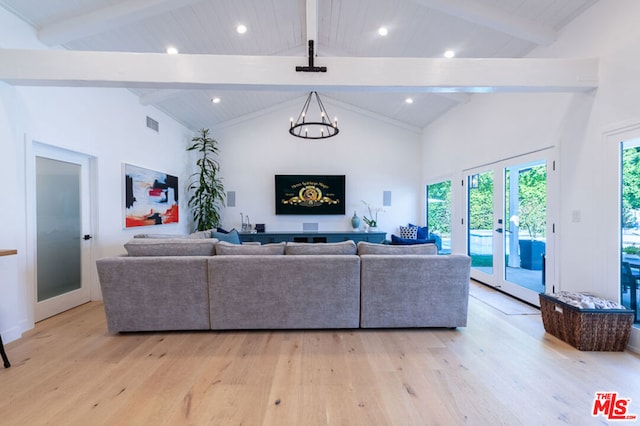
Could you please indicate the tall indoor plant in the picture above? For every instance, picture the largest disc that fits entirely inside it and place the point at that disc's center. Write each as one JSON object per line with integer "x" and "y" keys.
{"x": 205, "y": 185}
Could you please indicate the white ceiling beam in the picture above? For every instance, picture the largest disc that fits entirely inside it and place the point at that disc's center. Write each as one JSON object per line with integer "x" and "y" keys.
{"x": 493, "y": 18}
{"x": 312, "y": 21}
{"x": 108, "y": 18}
{"x": 161, "y": 71}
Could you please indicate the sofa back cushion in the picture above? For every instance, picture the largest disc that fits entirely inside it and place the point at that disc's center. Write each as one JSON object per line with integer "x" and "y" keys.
{"x": 225, "y": 248}
{"x": 371, "y": 248}
{"x": 344, "y": 247}
{"x": 171, "y": 247}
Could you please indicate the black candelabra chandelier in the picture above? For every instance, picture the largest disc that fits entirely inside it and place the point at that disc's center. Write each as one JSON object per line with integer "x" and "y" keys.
{"x": 318, "y": 125}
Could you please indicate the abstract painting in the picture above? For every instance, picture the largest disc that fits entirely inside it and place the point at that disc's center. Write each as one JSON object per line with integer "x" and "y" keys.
{"x": 151, "y": 198}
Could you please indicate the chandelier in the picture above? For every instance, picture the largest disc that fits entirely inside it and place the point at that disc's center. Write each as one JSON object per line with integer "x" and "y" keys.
{"x": 308, "y": 127}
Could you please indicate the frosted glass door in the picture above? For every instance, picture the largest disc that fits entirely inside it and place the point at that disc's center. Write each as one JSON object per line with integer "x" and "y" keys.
{"x": 59, "y": 227}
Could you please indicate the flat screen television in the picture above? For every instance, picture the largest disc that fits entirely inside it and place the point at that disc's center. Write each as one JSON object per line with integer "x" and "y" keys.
{"x": 310, "y": 194}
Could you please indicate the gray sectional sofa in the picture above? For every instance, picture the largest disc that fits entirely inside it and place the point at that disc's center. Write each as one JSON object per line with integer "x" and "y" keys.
{"x": 206, "y": 284}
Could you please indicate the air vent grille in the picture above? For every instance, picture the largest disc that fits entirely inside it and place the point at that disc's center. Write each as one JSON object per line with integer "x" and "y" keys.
{"x": 153, "y": 124}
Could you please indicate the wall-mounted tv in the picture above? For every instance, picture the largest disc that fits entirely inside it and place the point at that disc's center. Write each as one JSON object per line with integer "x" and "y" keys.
{"x": 310, "y": 194}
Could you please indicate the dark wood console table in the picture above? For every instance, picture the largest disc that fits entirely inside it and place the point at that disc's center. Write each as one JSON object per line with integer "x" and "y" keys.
{"x": 5, "y": 359}
{"x": 312, "y": 237}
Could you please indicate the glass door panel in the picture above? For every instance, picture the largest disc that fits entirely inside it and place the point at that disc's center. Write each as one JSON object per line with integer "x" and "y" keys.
{"x": 58, "y": 227}
{"x": 480, "y": 221}
{"x": 439, "y": 215}
{"x": 525, "y": 224}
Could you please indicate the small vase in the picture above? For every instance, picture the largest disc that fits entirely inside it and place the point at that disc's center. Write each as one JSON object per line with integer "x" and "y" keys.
{"x": 355, "y": 222}
{"x": 373, "y": 229}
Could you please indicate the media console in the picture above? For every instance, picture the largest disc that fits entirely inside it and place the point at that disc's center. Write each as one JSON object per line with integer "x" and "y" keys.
{"x": 312, "y": 237}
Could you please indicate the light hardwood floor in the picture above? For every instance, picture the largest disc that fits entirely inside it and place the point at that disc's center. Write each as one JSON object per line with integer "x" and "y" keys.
{"x": 501, "y": 369}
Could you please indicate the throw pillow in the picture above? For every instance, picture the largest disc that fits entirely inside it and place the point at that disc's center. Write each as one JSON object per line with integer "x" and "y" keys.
{"x": 231, "y": 237}
{"x": 409, "y": 232}
{"x": 226, "y": 248}
{"x": 345, "y": 247}
{"x": 423, "y": 234}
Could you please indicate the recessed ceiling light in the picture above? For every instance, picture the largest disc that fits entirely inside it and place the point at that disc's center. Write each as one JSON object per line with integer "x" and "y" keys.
{"x": 409, "y": 100}
{"x": 215, "y": 100}
{"x": 449, "y": 53}
{"x": 383, "y": 31}
{"x": 241, "y": 29}
{"x": 172, "y": 50}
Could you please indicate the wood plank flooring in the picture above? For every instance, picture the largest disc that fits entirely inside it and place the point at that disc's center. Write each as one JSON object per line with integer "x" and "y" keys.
{"x": 500, "y": 370}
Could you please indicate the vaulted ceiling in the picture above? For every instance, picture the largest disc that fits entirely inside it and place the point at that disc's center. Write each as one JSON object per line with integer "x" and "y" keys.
{"x": 486, "y": 36}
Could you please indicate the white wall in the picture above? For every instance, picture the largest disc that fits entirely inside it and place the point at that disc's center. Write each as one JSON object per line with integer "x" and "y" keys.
{"x": 375, "y": 157}
{"x": 108, "y": 124}
{"x": 495, "y": 127}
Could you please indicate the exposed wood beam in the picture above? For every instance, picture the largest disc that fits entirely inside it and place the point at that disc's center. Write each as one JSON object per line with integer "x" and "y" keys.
{"x": 108, "y": 18}
{"x": 161, "y": 71}
{"x": 493, "y": 18}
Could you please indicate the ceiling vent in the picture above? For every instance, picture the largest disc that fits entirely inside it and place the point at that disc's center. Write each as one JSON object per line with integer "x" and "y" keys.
{"x": 153, "y": 124}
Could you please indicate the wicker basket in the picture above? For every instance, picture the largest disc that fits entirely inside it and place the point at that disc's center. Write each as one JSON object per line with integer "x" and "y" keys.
{"x": 587, "y": 329}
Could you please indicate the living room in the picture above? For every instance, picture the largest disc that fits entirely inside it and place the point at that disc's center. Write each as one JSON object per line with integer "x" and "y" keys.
{"x": 376, "y": 155}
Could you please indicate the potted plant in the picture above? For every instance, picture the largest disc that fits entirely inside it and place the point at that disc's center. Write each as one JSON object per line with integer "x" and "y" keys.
{"x": 372, "y": 220}
{"x": 205, "y": 185}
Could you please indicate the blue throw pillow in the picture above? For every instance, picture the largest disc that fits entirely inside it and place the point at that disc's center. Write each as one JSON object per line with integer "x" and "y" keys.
{"x": 422, "y": 232}
{"x": 231, "y": 237}
{"x": 395, "y": 240}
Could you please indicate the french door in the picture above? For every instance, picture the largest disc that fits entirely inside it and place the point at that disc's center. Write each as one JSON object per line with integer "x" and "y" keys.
{"x": 508, "y": 232}
{"x": 62, "y": 222}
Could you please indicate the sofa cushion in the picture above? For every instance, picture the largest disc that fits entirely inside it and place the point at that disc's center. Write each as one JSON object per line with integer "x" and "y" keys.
{"x": 231, "y": 237}
{"x": 371, "y": 248}
{"x": 160, "y": 236}
{"x": 226, "y": 248}
{"x": 344, "y": 247}
{"x": 410, "y": 232}
{"x": 170, "y": 247}
{"x": 201, "y": 234}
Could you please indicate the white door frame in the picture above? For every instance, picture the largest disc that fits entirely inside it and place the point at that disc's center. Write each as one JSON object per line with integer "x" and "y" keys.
{"x": 497, "y": 279}
{"x": 69, "y": 300}
{"x": 609, "y": 232}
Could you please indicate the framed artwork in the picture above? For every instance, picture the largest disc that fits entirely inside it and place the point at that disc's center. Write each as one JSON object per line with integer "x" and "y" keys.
{"x": 151, "y": 198}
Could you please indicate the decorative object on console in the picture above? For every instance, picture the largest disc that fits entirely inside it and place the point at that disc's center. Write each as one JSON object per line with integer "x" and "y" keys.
{"x": 307, "y": 128}
{"x": 372, "y": 220}
{"x": 208, "y": 191}
{"x": 355, "y": 222}
{"x": 260, "y": 227}
{"x": 151, "y": 198}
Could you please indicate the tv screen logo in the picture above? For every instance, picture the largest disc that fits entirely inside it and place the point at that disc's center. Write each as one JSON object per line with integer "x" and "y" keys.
{"x": 612, "y": 407}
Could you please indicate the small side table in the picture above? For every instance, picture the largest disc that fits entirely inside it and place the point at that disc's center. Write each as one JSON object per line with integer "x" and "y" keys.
{"x": 5, "y": 359}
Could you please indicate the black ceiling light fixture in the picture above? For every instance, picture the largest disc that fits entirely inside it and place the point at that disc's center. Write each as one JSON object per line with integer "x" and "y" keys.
{"x": 315, "y": 124}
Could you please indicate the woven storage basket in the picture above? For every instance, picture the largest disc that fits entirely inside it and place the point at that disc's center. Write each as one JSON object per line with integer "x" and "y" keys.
{"x": 587, "y": 329}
